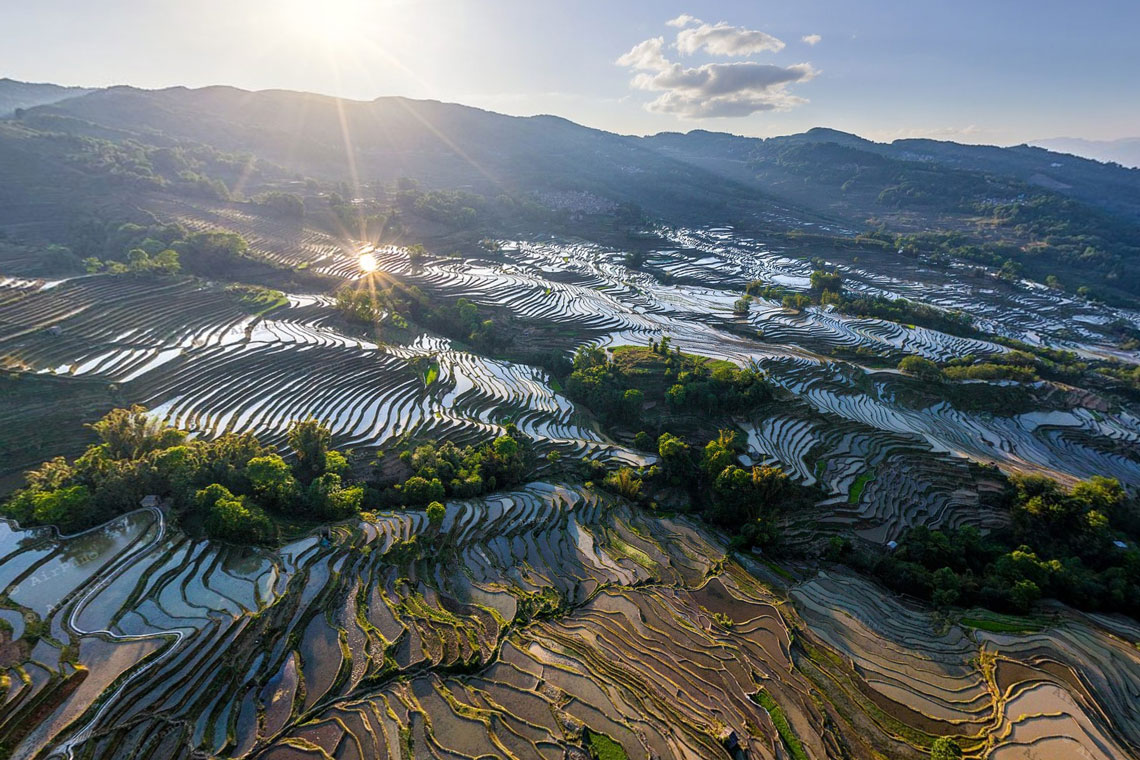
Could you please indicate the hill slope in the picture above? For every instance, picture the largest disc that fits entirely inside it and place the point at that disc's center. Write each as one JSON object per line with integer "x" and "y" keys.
{"x": 15, "y": 95}
{"x": 443, "y": 145}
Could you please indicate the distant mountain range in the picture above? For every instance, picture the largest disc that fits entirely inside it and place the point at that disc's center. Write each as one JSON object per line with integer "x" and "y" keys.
{"x": 450, "y": 145}
{"x": 15, "y": 95}
{"x": 73, "y": 145}
{"x": 1125, "y": 151}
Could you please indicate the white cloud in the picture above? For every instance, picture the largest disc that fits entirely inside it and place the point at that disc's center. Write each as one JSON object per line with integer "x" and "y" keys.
{"x": 646, "y": 56}
{"x": 812, "y": 39}
{"x": 730, "y": 89}
{"x": 725, "y": 40}
{"x": 682, "y": 21}
{"x": 723, "y": 89}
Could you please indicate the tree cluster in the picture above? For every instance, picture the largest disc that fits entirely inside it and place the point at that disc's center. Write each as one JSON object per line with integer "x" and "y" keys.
{"x": 745, "y": 501}
{"x": 439, "y": 471}
{"x": 1074, "y": 544}
{"x": 231, "y": 483}
{"x": 618, "y": 389}
{"x": 163, "y": 248}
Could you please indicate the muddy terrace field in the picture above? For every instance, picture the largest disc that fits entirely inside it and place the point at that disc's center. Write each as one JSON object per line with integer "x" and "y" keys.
{"x": 556, "y": 612}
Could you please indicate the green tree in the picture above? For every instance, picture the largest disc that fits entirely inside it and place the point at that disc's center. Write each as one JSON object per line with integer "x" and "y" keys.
{"x": 589, "y": 356}
{"x": 336, "y": 462}
{"x": 945, "y": 748}
{"x": 138, "y": 260}
{"x": 436, "y": 511}
{"x": 166, "y": 261}
{"x": 624, "y": 481}
{"x": 330, "y": 500}
{"x": 674, "y": 455}
{"x": 272, "y": 480}
{"x": 947, "y": 587}
{"x": 719, "y": 454}
{"x": 66, "y": 508}
{"x": 506, "y": 447}
{"x": 174, "y": 470}
{"x": 232, "y": 518}
{"x": 309, "y": 439}
{"x": 418, "y": 490}
{"x": 920, "y": 367}
{"x": 824, "y": 282}
{"x": 1024, "y": 595}
{"x": 631, "y": 403}
{"x": 130, "y": 433}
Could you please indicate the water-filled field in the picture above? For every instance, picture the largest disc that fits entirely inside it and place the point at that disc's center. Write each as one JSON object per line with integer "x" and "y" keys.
{"x": 554, "y": 611}
{"x": 661, "y": 642}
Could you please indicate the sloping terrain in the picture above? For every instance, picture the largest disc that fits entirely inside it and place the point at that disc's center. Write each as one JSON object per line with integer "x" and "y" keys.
{"x": 20, "y": 95}
{"x": 556, "y": 619}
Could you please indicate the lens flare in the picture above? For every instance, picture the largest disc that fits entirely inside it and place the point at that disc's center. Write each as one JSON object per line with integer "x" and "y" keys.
{"x": 368, "y": 263}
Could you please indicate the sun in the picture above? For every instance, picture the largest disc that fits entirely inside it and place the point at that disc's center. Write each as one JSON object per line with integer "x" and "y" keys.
{"x": 332, "y": 22}
{"x": 368, "y": 263}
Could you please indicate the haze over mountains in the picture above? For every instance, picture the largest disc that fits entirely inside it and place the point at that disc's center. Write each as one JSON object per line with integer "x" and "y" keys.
{"x": 15, "y": 95}
{"x": 1056, "y": 214}
{"x": 454, "y": 145}
{"x": 1125, "y": 151}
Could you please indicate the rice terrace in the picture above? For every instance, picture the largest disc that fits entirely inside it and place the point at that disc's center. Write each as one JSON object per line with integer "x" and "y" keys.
{"x": 351, "y": 428}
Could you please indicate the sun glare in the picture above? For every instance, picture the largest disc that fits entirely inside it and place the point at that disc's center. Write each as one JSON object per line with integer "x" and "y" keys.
{"x": 368, "y": 263}
{"x": 332, "y": 22}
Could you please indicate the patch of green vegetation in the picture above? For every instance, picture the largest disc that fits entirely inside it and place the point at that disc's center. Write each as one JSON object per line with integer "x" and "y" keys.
{"x": 432, "y": 374}
{"x": 230, "y": 484}
{"x": 783, "y": 728}
{"x": 653, "y": 385}
{"x": 827, "y": 289}
{"x": 116, "y": 248}
{"x": 602, "y": 747}
{"x": 985, "y": 621}
{"x": 438, "y": 471}
{"x": 256, "y": 299}
{"x": 1078, "y": 545}
{"x": 857, "y": 487}
{"x": 777, "y": 570}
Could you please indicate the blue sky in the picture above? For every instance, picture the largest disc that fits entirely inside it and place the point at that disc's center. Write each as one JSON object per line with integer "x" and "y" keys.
{"x": 1002, "y": 71}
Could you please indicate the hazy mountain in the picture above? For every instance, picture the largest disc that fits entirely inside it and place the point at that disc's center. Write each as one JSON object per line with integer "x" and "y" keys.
{"x": 440, "y": 144}
{"x": 782, "y": 160}
{"x": 14, "y": 95}
{"x": 450, "y": 145}
{"x": 1125, "y": 151}
{"x": 1077, "y": 216}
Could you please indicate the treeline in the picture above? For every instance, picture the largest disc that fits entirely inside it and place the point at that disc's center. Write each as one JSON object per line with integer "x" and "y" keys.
{"x": 747, "y": 502}
{"x": 287, "y": 205}
{"x": 661, "y": 389}
{"x": 435, "y": 471}
{"x": 232, "y": 484}
{"x": 622, "y": 389}
{"x": 191, "y": 169}
{"x": 827, "y": 289}
{"x": 100, "y": 246}
{"x": 1078, "y": 545}
{"x": 462, "y": 210}
{"x": 400, "y": 304}
{"x": 1023, "y": 364}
